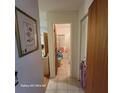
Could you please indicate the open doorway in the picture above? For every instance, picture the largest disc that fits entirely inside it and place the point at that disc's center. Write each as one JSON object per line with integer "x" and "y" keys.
{"x": 62, "y": 49}
{"x": 83, "y": 39}
{"x": 83, "y": 50}
{"x": 45, "y": 57}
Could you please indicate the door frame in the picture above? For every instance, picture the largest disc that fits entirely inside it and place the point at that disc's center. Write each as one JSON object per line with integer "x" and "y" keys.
{"x": 55, "y": 48}
{"x": 70, "y": 44}
{"x": 52, "y": 45}
{"x": 81, "y": 21}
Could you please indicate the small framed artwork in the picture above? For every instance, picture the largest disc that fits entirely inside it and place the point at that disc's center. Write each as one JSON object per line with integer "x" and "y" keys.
{"x": 26, "y": 33}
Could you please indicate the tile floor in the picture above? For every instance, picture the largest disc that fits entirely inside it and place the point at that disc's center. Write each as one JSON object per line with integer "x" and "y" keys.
{"x": 62, "y": 83}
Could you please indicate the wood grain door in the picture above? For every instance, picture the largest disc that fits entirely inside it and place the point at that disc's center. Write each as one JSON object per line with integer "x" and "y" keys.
{"x": 56, "y": 62}
{"x": 97, "y": 49}
{"x": 46, "y": 42}
{"x": 91, "y": 47}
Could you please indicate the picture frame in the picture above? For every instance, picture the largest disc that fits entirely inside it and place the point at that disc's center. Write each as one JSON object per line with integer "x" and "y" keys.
{"x": 26, "y": 32}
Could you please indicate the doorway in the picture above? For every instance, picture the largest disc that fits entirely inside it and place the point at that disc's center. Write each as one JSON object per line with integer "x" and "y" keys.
{"x": 45, "y": 57}
{"x": 63, "y": 81}
{"x": 62, "y": 49}
{"x": 83, "y": 50}
{"x": 83, "y": 39}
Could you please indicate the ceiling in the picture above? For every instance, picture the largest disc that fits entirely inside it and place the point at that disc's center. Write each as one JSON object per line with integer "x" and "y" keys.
{"x": 60, "y": 5}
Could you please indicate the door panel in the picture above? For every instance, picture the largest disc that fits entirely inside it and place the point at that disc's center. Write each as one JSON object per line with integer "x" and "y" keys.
{"x": 97, "y": 51}
{"x": 91, "y": 47}
{"x": 56, "y": 63}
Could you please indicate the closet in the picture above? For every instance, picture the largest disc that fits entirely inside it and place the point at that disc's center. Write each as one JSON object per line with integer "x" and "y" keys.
{"x": 97, "y": 48}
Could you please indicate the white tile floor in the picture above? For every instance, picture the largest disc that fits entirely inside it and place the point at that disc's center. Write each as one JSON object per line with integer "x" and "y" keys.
{"x": 63, "y": 83}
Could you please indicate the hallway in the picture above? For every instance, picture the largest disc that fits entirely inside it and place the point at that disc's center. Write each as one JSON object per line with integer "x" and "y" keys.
{"x": 62, "y": 82}
{"x": 87, "y": 26}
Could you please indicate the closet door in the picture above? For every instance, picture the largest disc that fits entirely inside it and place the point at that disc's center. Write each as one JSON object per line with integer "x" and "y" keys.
{"x": 91, "y": 47}
{"x": 56, "y": 62}
{"x": 97, "y": 51}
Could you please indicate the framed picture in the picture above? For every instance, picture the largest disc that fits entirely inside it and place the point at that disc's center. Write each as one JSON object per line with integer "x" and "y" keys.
{"x": 26, "y": 33}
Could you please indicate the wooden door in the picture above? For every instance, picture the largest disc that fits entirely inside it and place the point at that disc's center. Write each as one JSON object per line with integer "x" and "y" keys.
{"x": 46, "y": 42}
{"x": 56, "y": 63}
{"x": 45, "y": 34}
{"x": 91, "y": 47}
{"x": 97, "y": 49}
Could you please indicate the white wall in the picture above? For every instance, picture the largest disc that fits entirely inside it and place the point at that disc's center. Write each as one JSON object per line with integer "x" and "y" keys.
{"x": 83, "y": 27}
{"x": 29, "y": 67}
{"x": 84, "y": 8}
{"x": 43, "y": 24}
{"x": 60, "y": 18}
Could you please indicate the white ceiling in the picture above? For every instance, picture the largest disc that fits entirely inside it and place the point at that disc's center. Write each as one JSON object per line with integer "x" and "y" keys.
{"x": 60, "y": 5}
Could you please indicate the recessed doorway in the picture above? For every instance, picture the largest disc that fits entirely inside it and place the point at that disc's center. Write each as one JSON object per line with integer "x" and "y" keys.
{"x": 63, "y": 49}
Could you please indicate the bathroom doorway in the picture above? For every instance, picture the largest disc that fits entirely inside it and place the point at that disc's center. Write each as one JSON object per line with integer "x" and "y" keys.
{"x": 63, "y": 49}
